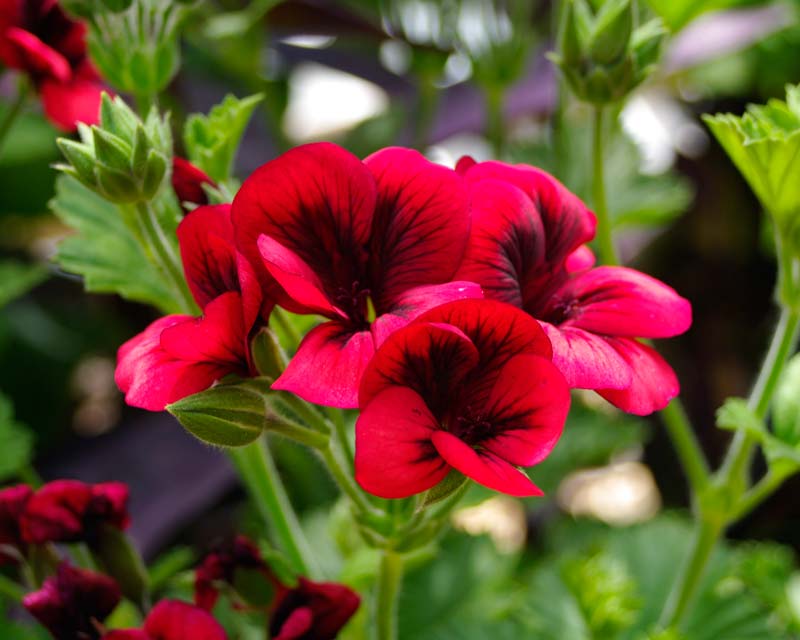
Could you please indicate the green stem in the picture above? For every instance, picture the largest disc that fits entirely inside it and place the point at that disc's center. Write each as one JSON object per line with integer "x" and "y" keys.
{"x": 163, "y": 254}
{"x": 13, "y": 112}
{"x": 340, "y": 468}
{"x": 605, "y": 242}
{"x": 495, "y": 122}
{"x": 686, "y": 445}
{"x": 762, "y": 490}
{"x": 11, "y": 589}
{"x": 426, "y": 111}
{"x": 257, "y": 470}
{"x": 387, "y": 591}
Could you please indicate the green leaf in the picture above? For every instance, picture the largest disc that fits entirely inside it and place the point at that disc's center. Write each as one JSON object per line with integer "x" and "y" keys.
{"x": 16, "y": 442}
{"x": 678, "y": 13}
{"x": 735, "y": 414}
{"x": 452, "y": 482}
{"x": 786, "y": 404}
{"x": 104, "y": 251}
{"x": 16, "y": 279}
{"x": 211, "y": 141}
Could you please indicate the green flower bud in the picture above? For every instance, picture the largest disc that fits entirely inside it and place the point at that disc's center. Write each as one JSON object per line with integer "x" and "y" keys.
{"x": 612, "y": 32}
{"x": 81, "y": 158}
{"x": 111, "y": 151}
{"x": 154, "y": 172}
{"x": 116, "y": 186}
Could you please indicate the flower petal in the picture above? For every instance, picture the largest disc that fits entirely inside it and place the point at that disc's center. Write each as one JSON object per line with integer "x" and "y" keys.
{"x": 27, "y": 52}
{"x": 188, "y": 181}
{"x": 654, "y": 382}
{"x": 316, "y": 200}
{"x": 394, "y": 454}
{"x": 587, "y": 361}
{"x": 484, "y": 467}
{"x": 527, "y": 409}
{"x": 421, "y": 223}
{"x": 67, "y": 104}
{"x": 296, "y": 625}
{"x": 330, "y": 604}
{"x": 176, "y": 620}
{"x": 621, "y": 302}
{"x": 55, "y": 512}
{"x": 328, "y": 365}
{"x": 580, "y": 260}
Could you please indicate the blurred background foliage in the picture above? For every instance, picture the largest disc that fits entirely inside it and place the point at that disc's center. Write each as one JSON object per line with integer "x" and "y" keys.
{"x": 596, "y": 557}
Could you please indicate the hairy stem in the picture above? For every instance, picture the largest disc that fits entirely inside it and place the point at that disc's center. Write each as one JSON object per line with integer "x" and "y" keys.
{"x": 387, "y": 591}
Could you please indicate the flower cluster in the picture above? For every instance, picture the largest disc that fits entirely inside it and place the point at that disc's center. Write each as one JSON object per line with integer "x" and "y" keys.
{"x": 39, "y": 39}
{"x": 460, "y": 307}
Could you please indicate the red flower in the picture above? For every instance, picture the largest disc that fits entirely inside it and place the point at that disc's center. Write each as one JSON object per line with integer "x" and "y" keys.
{"x": 469, "y": 386}
{"x": 525, "y": 249}
{"x": 188, "y": 181}
{"x": 38, "y": 38}
{"x": 179, "y": 355}
{"x": 173, "y": 620}
{"x": 73, "y": 603}
{"x": 312, "y": 611}
{"x": 69, "y": 511}
{"x": 12, "y": 503}
{"x": 369, "y": 245}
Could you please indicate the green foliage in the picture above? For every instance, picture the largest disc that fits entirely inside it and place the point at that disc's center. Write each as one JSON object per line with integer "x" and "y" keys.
{"x": 786, "y": 404}
{"x": 104, "y": 250}
{"x": 676, "y": 14}
{"x": 16, "y": 442}
{"x": 211, "y": 141}
{"x": 16, "y": 279}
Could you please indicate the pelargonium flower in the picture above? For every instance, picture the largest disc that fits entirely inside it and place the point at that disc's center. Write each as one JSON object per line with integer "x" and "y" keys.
{"x": 71, "y": 511}
{"x": 467, "y": 386}
{"x": 179, "y": 355}
{"x": 369, "y": 245}
{"x": 38, "y": 38}
{"x": 173, "y": 620}
{"x": 188, "y": 181}
{"x": 526, "y": 249}
{"x": 72, "y": 603}
{"x": 13, "y": 501}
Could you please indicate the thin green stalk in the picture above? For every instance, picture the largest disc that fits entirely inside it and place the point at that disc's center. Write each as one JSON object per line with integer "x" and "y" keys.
{"x": 11, "y": 589}
{"x": 426, "y": 111}
{"x": 13, "y": 112}
{"x": 340, "y": 431}
{"x": 257, "y": 470}
{"x": 164, "y": 255}
{"x": 686, "y": 445}
{"x": 340, "y": 468}
{"x": 762, "y": 490}
{"x": 605, "y": 241}
{"x": 495, "y": 122}
{"x": 387, "y": 591}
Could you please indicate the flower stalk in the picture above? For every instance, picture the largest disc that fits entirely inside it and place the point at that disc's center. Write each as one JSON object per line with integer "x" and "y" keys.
{"x": 390, "y": 578}
{"x": 605, "y": 239}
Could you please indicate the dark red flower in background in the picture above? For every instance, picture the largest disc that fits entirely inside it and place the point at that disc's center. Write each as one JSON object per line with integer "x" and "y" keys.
{"x": 179, "y": 355}
{"x": 38, "y": 38}
{"x": 13, "y": 501}
{"x": 526, "y": 249}
{"x": 71, "y": 511}
{"x": 312, "y": 611}
{"x": 369, "y": 245}
{"x": 470, "y": 386}
{"x": 173, "y": 620}
{"x": 73, "y": 603}
{"x": 188, "y": 181}
{"x": 221, "y": 566}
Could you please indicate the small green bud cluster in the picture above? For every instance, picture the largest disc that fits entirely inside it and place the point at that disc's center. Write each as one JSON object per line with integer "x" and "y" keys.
{"x": 604, "y": 56}
{"x": 124, "y": 159}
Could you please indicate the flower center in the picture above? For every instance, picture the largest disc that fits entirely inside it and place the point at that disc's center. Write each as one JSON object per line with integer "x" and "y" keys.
{"x": 356, "y": 302}
{"x": 473, "y": 427}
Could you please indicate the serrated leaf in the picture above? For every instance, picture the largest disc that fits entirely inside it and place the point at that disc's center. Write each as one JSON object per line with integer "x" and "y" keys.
{"x": 17, "y": 278}
{"x": 212, "y": 141}
{"x": 104, "y": 251}
{"x": 16, "y": 442}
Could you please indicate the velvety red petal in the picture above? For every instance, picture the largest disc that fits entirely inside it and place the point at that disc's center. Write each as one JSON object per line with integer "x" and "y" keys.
{"x": 421, "y": 224}
{"x": 29, "y": 53}
{"x": 567, "y": 222}
{"x": 331, "y": 606}
{"x": 297, "y": 279}
{"x": 654, "y": 382}
{"x": 506, "y": 249}
{"x": 621, "y": 302}
{"x": 176, "y": 620}
{"x": 297, "y": 624}
{"x": 527, "y": 408}
{"x": 580, "y": 260}
{"x": 55, "y": 513}
{"x": 109, "y": 503}
{"x": 586, "y": 360}
{"x": 394, "y": 454}
{"x": 13, "y": 501}
{"x": 484, "y": 467}
{"x": 328, "y": 365}
{"x": 316, "y": 200}
{"x": 66, "y": 104}
{"x": 431, "y": 359}
{"x": 188, "y": 181}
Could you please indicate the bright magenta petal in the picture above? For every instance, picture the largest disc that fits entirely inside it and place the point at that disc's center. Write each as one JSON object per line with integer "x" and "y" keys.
{"x": 328, "y": 365}
{"x": 580, "y": 260}
{"x": 296, "y": 278}
{"x": 587, "y": 361}
{"x": 421, "y": 223}
{"x": 316, "y": 200}
{"x": 654, "y": 382}
{"x": 484, "y": 467}
{"x": 176, "y": 620}
{"x": 394, "y": 454}
{"x": 527, "y": 408}
{"x": 621, "y": 302}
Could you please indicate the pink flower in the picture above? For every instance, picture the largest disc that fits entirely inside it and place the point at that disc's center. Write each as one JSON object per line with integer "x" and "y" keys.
{"x": 179, "y": 355}
{"x": 13, "y": 501}
{"x": 188, "y": 181}
{"x": 71, "y": 511}
{"x": 526, "y": 249}
{"x": 173, "y": 620}
{"x": 73, "y": 603}
{"x": 369, "y": 245}
{"x": 467, "y": 386}
{"x": 38, "y": 38}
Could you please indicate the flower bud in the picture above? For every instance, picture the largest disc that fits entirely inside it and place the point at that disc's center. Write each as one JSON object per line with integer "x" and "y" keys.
{"x": 786, "y": 412}
{"x": 123, "y": 159}
{"x": 612, "y": 32}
